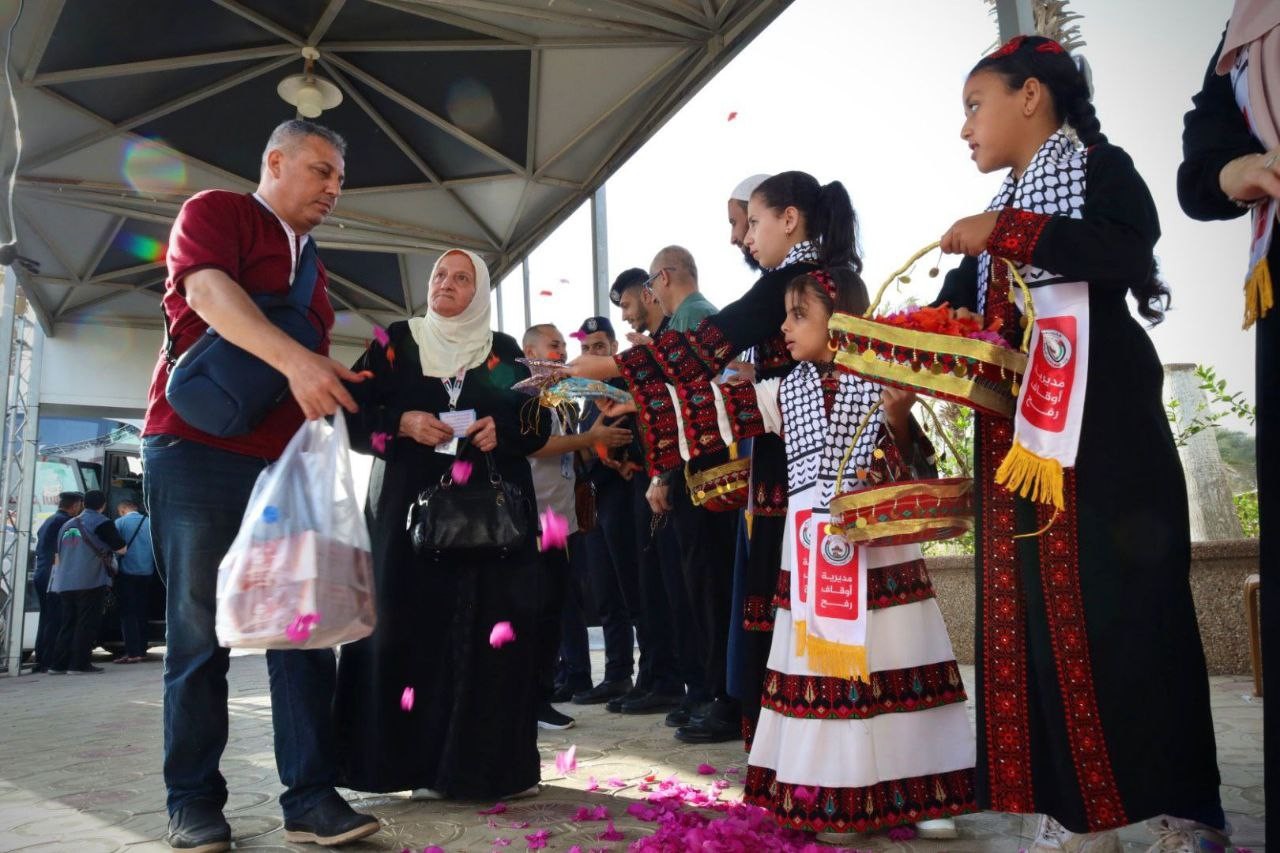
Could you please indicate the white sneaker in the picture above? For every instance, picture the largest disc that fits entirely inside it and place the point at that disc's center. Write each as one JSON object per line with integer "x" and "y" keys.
{"x": 1177, "y": 835}
{"x": 1053, "y": 836}
{"x": 426, "y": 794}
{"x": 839, "y": 839}
{"x": 531, "y": 791}
{"x": 939, "y": 828}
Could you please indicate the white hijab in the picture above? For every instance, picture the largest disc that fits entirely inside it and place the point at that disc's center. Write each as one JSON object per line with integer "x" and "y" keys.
{"x": 448, "y": 346}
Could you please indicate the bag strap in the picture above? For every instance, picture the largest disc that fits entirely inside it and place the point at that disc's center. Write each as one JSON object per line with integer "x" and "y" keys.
{"x": 104, "y": 556}
{"x": 136, "y": 530}
{"x": 300, "y": 293}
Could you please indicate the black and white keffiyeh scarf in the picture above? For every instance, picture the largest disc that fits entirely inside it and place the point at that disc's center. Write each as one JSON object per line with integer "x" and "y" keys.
{"x": 1050, "y": 407}
{"x": 828, "y": 573}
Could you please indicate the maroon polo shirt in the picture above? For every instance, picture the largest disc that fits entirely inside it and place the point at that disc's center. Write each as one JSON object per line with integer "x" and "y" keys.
{"x": 235, "y": 233}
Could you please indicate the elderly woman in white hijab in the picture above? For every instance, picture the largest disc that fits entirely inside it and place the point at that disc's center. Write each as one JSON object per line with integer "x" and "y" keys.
{"x": 426, "y": 703}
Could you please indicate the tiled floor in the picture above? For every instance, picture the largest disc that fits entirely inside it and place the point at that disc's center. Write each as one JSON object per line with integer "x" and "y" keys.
{"x": 80, "y": 771}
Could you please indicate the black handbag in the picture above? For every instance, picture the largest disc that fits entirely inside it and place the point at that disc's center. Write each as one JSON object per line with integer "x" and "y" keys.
{"x": 226, "y": 391}
{"x": 484, "y": 518}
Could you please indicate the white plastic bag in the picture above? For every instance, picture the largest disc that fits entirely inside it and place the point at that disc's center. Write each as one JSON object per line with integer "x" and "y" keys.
{"x": 299, "y": 574}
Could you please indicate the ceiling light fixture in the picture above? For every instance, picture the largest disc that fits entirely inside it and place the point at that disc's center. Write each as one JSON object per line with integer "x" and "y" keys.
{"x": 311, "y": 95}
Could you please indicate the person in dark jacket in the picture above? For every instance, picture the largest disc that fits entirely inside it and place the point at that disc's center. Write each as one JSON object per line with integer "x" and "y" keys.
{"x": 69, "y": 506}
{"x": 87, "y": 547}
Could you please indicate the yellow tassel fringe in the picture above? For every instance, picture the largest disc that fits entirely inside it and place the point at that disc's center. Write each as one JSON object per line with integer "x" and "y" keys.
{"x": 837, "y": 660}
{"x": 1032, "y": 476}
{"x": 802, "y": 637}
{"x": 1258, "y": 296}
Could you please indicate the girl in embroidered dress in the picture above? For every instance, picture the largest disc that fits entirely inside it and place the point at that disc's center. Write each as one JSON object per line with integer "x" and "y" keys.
{"x": 1093, "y": 703}
{"x": 863, "y": 725}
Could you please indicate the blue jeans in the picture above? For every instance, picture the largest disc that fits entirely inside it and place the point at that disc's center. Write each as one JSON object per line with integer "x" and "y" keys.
{"x": 196, "y": 495}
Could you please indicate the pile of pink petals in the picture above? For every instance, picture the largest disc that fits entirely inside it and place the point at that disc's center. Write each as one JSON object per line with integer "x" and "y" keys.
{"x": 740, "y": 829}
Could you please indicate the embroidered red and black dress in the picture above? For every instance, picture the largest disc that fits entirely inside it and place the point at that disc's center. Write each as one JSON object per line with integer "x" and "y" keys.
{"x": 753, "y": 321}
{"x": 830, "y": 753}
{"x": 1093, "y": 701}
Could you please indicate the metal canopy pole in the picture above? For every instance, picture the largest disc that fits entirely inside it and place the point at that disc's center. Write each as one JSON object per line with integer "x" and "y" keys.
{"x": 528, "y": 303}
{"x": 1015, "y": 18}
{"x": 25, "y": 343}
{"x": 600, "y": 253}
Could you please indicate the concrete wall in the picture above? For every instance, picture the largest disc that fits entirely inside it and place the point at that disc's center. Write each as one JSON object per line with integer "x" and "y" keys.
{"x": 1218, "y": 570}
{"x": 109, "y": 367}
{"x": 98, "y": 366}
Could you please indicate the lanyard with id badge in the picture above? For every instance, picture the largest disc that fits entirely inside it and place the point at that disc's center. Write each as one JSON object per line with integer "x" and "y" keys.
{"x": 457, "y": 420}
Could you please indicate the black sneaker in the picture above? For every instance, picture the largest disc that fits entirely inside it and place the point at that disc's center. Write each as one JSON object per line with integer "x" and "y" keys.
{"x": 709, "y": 729}
{"x": 550, "y": 718}
{"x": 330, "y": 823}
{"x": 566, "y": 692}
{"x": 92, "y": 670}
{"x": 603, "y": 692}
{"x": 199, "y": 827}
{"x": 652, "y": 703}
{"x": 685, "y": 714}
{"x": 614, "y": 705}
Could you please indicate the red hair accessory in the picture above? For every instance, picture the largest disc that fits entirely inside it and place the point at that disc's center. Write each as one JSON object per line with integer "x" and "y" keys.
{"x": 1008, "y": 47}
{"x": 1045, "y": 45}
{"x": 823, "y": 278}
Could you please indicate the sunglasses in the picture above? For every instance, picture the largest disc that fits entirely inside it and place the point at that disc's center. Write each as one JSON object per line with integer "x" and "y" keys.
{"x": 647, "y": 284}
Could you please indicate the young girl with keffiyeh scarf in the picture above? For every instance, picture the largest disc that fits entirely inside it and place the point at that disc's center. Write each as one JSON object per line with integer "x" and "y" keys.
{"x": 863, "y": 725}
{"x": 1093, "y": 705}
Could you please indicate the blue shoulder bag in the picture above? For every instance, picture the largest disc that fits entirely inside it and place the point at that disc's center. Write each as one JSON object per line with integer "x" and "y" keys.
{"x": 223, "y": 390}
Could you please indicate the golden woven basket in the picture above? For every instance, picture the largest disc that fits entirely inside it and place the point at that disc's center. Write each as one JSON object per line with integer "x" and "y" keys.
{"x": 904, "y": 512}
{"x": 723, "y": 488}
{"x": 971, "y": 372}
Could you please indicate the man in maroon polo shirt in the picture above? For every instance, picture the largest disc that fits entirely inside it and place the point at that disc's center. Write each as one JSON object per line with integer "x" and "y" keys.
{"x": 224, "y": 248}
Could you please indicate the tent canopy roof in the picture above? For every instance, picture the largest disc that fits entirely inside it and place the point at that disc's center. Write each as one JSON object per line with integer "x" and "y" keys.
{"x": 474, "y": 123}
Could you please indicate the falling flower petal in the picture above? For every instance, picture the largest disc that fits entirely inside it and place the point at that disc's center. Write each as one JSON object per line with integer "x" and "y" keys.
{"x": 460, "y": 471}
{"x": 496, "y": 808}
{"x": 299, "y": 629}
{"x": 611, "y": 834}
{"x": 578, "y": 335}
{"x": 501, "y": 634}
{"x": 378, "y": 441}
{"x": 567, "y": 761}
{"x": 555, "y": 530}
{"x": 406, "y": 699}
{"x": 732, "y": 115}
{"x": 391, "y": 355}
{"x": 706, "y": 769}
{"x": 380, "y": 335}
{"x": 902, "y": 833}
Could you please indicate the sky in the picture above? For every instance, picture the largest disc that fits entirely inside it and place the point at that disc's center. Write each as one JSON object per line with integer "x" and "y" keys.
{"x": 868, "y": 93}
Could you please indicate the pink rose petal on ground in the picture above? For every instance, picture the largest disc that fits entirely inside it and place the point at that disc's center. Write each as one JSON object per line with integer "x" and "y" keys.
{"x": 406, "y": 699}
{"x": 611, "y": 834}
{"x": 434, "y": 848}
{"x": 615, "y": 782}
{"x": 720, "y": 784}
{"x": 502, "y": 842}
{"x": 555, "y": 530}
{"x": 645, "y": 786}
{"x": 732, "y": 771}
{"x": 501, "y": 634}
{"x": 537, "y": 840}
{"x": 592, "y": 784}
{"x": 577, "y": 848}
{"x": 380, "y": 335}
{"x": 460, "y": 472}
{"x": 567, "y": 761}
{"x": 706, "y": 769}
{"x": 902, "y": 833}
{"x": 496, "y": 808}
{"x": 378, "y": 441}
